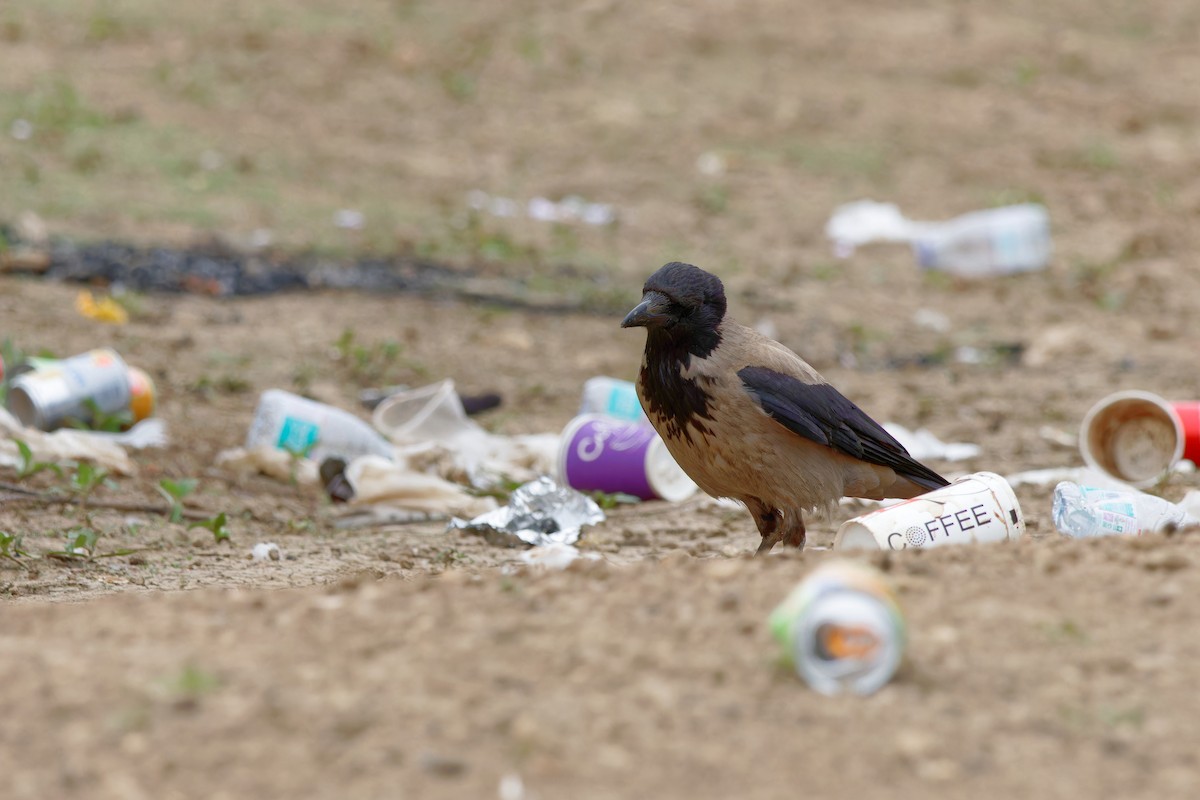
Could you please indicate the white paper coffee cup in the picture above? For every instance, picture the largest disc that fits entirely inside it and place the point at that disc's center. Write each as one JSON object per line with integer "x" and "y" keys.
{"x": 1133, "y": 436}
{"x": 978, "y": 508}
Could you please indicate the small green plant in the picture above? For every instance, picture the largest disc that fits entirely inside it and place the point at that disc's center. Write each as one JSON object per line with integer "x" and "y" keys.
{"x": 215, "y": 524}
{"x": 81, "y": 545}
{"x": 174, "y": 492}
{"x": 450, "y": 556}
{"x": 30, "y": 466}
{"x": 192, "y": 682}
{"x": 10, "y": 546}
{"x": 86, "y": 478}
{"x": 99, "y": 420}
{"x": 368, "y": 362}
{"x": 609, "y": 501}
{"x": 500, "y": 490}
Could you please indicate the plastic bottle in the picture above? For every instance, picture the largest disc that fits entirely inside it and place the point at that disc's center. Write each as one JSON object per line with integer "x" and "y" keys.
{"x": 997, "y": 241}
{"x": 1085, "y": 511}
{"x": 306, "y": 427}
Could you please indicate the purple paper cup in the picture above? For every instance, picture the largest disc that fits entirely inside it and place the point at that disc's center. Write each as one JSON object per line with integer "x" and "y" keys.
{"x": 600, "y": 453}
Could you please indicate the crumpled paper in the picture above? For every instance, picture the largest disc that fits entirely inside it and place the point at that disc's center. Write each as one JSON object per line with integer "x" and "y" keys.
{"x": 61, "y": 445}
{"x": 400, "y": 490}
{"x": 538, "y": 513}
{"x": 376, "y": 481}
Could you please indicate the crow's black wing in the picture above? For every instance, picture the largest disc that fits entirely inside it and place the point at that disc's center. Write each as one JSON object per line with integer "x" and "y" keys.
{"x": 821, "y": 413}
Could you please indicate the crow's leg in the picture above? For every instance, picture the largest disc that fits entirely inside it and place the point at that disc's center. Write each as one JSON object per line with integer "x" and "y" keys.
{"x": 794, "y": 534}
{"x": 767, "y": 519}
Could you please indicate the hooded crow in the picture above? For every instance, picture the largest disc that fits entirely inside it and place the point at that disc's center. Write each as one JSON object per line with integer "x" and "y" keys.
{"x": 747, "y": 418}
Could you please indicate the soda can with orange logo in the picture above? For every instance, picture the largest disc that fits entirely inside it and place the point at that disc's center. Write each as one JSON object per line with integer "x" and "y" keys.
{"x": 56, "y": 392}
{"x": 842, "y": 629}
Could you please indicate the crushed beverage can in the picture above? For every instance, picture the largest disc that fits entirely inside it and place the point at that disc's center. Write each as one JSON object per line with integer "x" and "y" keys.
{"x": 842, "y": 629}
{"x": 57, "y": 391}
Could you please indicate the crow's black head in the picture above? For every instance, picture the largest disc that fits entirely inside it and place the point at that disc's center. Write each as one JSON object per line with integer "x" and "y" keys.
{"x": 684, "y": 304}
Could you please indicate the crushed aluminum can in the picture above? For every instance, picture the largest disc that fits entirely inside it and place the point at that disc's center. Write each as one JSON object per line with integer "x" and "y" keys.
{"x": 538, "y": 513}
{"x": 842, "y": 629}
{"x": 57, "y": 391}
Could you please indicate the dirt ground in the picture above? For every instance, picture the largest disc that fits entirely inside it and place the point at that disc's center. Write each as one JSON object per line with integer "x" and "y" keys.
{"x": 406, "y": 661}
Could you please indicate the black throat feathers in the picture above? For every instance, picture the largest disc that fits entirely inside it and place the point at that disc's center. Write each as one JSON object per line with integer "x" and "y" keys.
{"x": 674, "y": 401}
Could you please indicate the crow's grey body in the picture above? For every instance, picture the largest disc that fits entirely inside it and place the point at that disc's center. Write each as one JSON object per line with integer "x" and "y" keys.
{"x": 747, "y": 418}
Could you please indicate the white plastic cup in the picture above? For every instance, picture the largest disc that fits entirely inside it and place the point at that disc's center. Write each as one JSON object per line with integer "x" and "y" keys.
{"x": 600, "y": 453}
{"x": 978, "y": 508}
{"x": 1133, "y": 436}
{"x": 428, "y": 413}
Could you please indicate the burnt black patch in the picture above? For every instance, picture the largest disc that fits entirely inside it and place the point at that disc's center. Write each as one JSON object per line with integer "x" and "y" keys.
{"x": 824, "y": 415}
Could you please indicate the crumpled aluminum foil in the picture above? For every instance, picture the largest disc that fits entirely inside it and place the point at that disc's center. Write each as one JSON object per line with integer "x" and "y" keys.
{"x": 538, "y": 513}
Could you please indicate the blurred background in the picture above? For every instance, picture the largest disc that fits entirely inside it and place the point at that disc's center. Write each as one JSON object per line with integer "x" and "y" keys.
{"x": 714, "y": 133}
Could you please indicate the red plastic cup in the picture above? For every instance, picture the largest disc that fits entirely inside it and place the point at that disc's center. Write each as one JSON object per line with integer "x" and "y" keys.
{"x": 601, "y": 453}
{"x": 1189, "y": 418}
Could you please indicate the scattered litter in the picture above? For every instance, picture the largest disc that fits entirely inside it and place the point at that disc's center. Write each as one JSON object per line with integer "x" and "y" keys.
{"x": 103, "y": 310}
{"x": 511, "y": 787}
{"x": 600, "y": 453}
{"x": 333, "y": 479}
{"x": 145, "y": 434}
{"x": 1138, "y": 436}
{"x": 371, "y": 398}
{"x": 266, "y": 551}
{"x": 538, "y": 513}
{"x": 977, "y": 508}
{"x": 61, "y": 446}
{"x": 21, "y": 129}
{"x": 349, "y": 219}
{"x": 269, "y": 461}
{"x": 49, "y": 393}
{"x": 1086, "y": 511}
{"x": 1058, "y": 437}
{"x": 376, "y": 480}
{"x": 931, "y": 320}
{"x": 305, "y": 427}
{"x": 570, "y": 209}
{"x": 555, "y": 556}
{"x": 842, "y": 629}
{"x": 923, "y": 444}
{"x": 1053, "y": 475}
{"x": 711, "y": 164}
{"x": 613, "y": 397}
{"x": 995, "y": 241}
{"x": 430, "y": 423}
{"x": 378, "y": 516}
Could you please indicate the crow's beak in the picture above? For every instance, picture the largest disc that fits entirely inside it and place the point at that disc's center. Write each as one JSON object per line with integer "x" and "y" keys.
{"x": 650, "y": 313}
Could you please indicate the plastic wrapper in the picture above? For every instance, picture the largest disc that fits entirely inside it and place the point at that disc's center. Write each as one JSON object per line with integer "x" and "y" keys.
{"x": 539, "y": 513}
{"x": 61, "y": 445}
